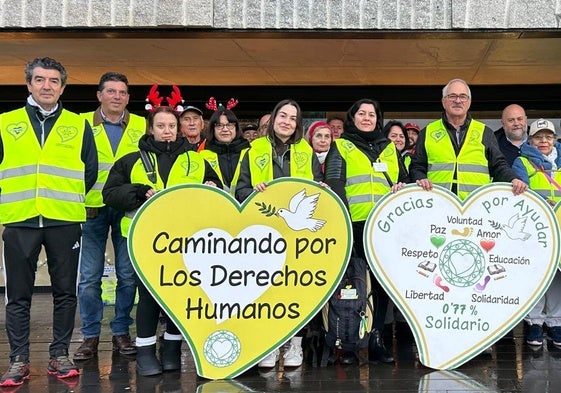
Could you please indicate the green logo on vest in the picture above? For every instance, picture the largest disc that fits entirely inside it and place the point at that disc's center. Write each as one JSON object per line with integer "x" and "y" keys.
{"x": 388, "y": 152}
{"x": 190, "y": 167}
{"x": 67, "y": 133}
{"x": 262, "y": 161}
{"x": 17, "y": 130}
{"x": 437, "y": 135}
{"x": 348, "y": 146}
{"x": 134, "y": 135}
{"x": 300, "y": 159}
{"x": 96, "y": 130}
{"x": 475, "y": 138}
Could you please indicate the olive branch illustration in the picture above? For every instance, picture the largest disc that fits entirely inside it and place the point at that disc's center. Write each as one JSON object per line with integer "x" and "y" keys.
{"x": 265, "y": 209}
{"x": 495, "y": 225}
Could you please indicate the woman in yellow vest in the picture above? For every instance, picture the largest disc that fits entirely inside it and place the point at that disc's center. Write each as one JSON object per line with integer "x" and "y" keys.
{"x": 159, "y": 163}
{"x": 271, "y": 157}
{"x": 225, "y": 147}
{"x": 362, "y": 166}
{"x": 539, "y": 166}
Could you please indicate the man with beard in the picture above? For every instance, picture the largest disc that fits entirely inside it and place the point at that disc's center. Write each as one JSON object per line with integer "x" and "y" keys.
{"x": 513, "y": 133}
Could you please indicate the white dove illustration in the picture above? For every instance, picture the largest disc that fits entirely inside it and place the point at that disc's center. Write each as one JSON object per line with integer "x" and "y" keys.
{"x": 298, "y": 216}
{"x": 515, "y": 228}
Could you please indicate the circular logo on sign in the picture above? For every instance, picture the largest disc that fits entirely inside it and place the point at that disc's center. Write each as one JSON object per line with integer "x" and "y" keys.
{"x": 222, "y": 348}
{"x": 462, "y": 263}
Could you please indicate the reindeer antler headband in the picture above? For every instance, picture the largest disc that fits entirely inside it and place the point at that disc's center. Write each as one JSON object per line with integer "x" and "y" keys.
{"x": 211, "y": 104}
{"x": 154, "y": 100}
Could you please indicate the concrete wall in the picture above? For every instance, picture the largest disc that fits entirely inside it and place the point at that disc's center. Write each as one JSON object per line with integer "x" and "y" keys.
{"x": 284, "y": 14}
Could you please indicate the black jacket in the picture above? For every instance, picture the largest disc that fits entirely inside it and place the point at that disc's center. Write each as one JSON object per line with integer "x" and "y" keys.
{"x": 44, "y": 125}
{"x": 228, "y": 156}
{"x": 509, "y": 150}
{"x": 499, "y": 170}
{"x": 123, "y": 195}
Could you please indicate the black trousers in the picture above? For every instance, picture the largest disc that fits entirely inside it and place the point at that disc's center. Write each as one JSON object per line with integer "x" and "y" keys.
{"x": 148, "y": 314}
{"x": 21, "y": 251}
{"x": 381, "y": 298}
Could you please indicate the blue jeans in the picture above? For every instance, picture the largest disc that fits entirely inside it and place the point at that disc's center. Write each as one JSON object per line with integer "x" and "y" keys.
{"x": 95, "y": 232}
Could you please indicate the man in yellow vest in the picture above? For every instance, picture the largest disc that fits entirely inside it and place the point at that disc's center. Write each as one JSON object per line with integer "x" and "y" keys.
{"x": 116, "y": 133}
{"x": 458, "y": 152}
{"x": 48, "y": 162}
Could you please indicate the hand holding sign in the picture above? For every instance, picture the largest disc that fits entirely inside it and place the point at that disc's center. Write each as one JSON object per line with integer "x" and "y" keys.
{"x": 240, "y": 280}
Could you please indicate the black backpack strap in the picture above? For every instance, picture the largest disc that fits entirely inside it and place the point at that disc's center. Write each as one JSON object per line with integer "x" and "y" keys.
{"x": 148, "y": 166}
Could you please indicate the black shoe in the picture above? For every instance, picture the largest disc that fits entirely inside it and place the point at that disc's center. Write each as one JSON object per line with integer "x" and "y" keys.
{"x": 146, "y": 361}
{"x": 377, "y": 350}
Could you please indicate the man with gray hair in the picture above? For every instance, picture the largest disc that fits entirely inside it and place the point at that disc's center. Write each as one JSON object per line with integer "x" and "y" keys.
{"x": 48, "y": 162}
{"x": 457, "y": 152}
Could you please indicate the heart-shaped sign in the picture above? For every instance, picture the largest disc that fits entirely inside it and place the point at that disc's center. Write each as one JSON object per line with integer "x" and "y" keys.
{"x": 240, "y": 280}
{"x": 462, "y": 296}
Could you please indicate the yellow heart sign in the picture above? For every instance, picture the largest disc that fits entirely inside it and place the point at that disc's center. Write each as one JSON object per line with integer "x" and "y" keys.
{"x": 469, "y": 271}
{"x": 239, "y": 280}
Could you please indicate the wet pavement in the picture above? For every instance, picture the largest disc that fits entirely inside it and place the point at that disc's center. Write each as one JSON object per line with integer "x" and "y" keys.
{"x": 510, "y": 366}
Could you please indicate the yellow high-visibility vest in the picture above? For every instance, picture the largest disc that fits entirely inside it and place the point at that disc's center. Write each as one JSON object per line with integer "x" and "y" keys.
{"x": 261, "y": 160}
{"x": 471, "y": 163}
{"x": 47, "y": 181}
{"x": 364, "y": 186}
{"x": 136, "y": 127}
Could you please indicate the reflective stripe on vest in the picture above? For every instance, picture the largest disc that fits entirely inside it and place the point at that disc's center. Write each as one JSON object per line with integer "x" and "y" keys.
{"x": 48, "y": 180}
{"x": 540, "y": 183}
{"x": 364, "y": 186}
{"x": 212, "y": 158}
{"x": 136, "y": 127}
{"x": 261, "y": 160}
{"x": 188, "y": 168}
{"x": 471, "y": 164}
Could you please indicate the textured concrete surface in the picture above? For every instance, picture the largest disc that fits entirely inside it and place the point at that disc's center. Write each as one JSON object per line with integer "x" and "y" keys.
{"x": 284, "y": 14}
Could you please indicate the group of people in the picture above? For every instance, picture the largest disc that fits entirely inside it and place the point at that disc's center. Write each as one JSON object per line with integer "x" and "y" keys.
{"x": 69, "y": 179}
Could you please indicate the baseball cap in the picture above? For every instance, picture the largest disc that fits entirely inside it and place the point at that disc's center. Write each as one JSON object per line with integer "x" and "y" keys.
{"x": 192, "y": 109}
{"x": 412, "y": 126}
{"x": 250, "y": 127}
{"x": 540, "y": 125}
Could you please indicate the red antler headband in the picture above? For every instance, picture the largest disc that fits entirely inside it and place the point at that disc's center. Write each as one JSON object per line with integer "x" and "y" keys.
{"x": 175, "y": 100}
{"x": 211, "y": 104}
{"x": 154, "y": 100}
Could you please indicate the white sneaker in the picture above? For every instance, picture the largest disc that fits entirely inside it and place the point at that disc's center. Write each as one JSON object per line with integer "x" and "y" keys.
{"x": 270, "y": 360}
{"x": 293, "y": 357}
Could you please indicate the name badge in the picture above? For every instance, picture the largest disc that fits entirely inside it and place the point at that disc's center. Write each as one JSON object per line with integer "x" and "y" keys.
{"x": 380, "y": 167}
{"x": 348, "y": 293}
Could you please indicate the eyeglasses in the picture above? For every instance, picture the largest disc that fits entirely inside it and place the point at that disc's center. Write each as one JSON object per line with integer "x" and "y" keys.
{"x": 542, "y": 137}
{"x": 455, "y": 97}
{"x": 219, "y": 126}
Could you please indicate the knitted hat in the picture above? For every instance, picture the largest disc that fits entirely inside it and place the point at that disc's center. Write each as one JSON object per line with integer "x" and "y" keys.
{"x": 314, "y": 126}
